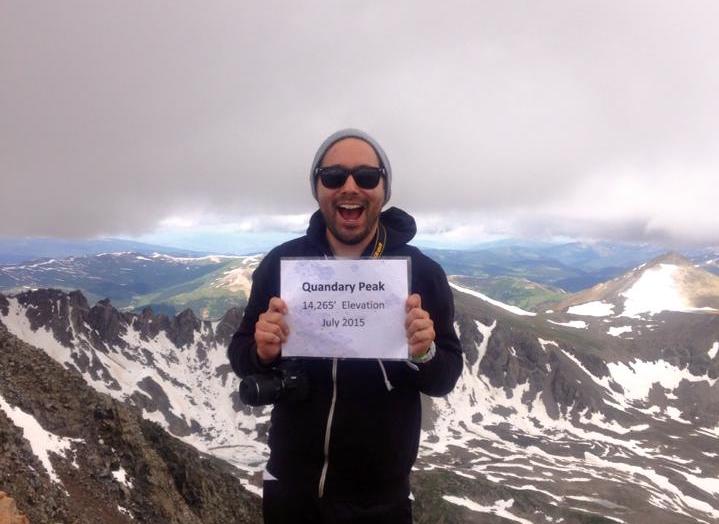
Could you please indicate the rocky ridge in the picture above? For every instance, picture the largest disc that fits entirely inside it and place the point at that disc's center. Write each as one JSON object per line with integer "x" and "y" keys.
{"x": 117, "y": 467}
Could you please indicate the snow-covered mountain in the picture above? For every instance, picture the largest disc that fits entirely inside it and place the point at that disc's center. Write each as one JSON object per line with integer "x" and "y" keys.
{"x": 667, "y": 283}
{"x": 568, "y": 415}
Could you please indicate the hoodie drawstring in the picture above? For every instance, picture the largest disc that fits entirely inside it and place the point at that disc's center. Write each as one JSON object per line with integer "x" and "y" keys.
{"x": 387, "y": 383}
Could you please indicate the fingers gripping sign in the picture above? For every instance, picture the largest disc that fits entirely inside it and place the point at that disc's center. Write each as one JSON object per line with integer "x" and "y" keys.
{"x": 419, "y": 327}
{"x": 271, "y": 331}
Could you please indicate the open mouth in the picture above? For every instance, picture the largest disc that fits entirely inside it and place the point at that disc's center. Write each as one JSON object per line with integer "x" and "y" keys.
{"x": 350, "y": 212}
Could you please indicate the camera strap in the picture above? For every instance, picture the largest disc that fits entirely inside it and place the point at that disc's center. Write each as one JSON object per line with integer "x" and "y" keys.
{"x": 380, "y": 241}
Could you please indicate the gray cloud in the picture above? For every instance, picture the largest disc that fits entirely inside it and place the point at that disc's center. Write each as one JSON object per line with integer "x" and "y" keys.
{"x": 568, "y": 118}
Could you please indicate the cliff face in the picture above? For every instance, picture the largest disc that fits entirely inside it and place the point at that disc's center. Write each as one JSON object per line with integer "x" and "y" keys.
{"x": 71, "y": 454}
{"x": 174, "y": 369}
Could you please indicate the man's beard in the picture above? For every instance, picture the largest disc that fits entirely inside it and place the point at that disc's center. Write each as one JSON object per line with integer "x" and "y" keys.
{"x": 355, "y": 237}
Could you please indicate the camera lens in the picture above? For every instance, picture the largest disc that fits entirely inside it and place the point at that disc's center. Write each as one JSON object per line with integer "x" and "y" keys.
{"x": 260, "y": 390}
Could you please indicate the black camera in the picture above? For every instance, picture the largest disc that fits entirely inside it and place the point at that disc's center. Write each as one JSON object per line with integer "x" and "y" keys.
{"x": 286, "y": 382}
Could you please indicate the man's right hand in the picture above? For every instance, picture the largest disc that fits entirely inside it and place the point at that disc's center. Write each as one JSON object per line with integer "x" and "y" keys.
{"x": 271, "y": 331}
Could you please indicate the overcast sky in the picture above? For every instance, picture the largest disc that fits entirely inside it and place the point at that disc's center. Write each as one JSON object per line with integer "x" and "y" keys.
{"x": 588, "y": 119}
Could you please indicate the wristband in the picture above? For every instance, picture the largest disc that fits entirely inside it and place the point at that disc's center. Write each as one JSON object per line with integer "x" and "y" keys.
{"x": 427, "y": 356}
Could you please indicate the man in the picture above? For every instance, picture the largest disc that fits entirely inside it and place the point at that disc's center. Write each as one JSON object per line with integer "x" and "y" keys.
{"x": 344, "y": 453}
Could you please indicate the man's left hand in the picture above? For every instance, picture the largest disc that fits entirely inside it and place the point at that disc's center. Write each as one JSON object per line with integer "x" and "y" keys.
{"x": 419, "y": 327}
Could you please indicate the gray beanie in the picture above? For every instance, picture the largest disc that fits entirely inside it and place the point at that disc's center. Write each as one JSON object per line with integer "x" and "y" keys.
{"x": 352, "y": 133}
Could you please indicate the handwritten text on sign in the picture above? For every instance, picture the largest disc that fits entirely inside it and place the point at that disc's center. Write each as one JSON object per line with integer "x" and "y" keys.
{"x": 348, "y": 308}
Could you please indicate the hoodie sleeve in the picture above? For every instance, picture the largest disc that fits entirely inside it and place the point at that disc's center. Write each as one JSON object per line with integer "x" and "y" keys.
{"x": 242, "y": 351}
{"x": 438, "y": 376}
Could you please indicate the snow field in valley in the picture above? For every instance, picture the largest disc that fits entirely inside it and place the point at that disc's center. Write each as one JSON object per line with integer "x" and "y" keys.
{"x": 613, "y": 453}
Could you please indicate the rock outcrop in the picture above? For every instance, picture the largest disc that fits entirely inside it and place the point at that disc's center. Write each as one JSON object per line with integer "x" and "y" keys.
{"x": 119, "y": 467}
{"x": 9, "y": 514}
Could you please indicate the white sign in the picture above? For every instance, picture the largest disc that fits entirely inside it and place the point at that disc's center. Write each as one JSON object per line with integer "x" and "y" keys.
{"x": 347, "y": 308}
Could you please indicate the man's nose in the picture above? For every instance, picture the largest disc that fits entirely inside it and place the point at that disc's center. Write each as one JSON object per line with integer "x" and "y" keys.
{"x": 350, "y": 186}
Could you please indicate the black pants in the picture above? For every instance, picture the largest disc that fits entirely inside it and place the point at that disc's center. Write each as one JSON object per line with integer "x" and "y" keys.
{"x": 283, "y": 505}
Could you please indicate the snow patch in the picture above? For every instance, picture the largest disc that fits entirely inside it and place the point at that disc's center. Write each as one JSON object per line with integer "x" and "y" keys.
{"x": 638, "y": 376}
{"x": 545, "y": 343}
{"x": 121, "y": 476}
{"x": 249, "y": 486}
{"x": 674, "y": 414}
{"x": 578, "y": 324}
{"x": 592, "y": 309}
{"x": 657, "y": 290}
{"x": 42, "y": 442}
{"x": 486, "y": 332}
{"x": 18, "y": 324}
{"x": 215, "y": 259}
{"x": 713, "y": 350}
{"x": 616, "y": 331}
{"x": 235, "y": 280}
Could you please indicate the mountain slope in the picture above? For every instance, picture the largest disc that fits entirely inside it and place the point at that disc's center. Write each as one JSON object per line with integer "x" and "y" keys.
{"x": 174, "y": 369}
{"x": 553, "y": 417}
{"x": 625, "y": 429}
{"x": 667, "y": 283}
{"x": 70, "y": 454}
{"x": 511, "y": 290}
{"x": 210, "y": 295}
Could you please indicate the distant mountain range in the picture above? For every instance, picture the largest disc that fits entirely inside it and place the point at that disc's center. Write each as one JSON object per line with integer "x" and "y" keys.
{"x": 570, "y": 266}
{"x": 522, "y": 274}
{"x": 209, "y": 285}
{"x": 14, "y": 250}
{"x": 599, "y": 406}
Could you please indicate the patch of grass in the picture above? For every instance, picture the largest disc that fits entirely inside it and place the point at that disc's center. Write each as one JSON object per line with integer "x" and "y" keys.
{"x": 515, "y": 291}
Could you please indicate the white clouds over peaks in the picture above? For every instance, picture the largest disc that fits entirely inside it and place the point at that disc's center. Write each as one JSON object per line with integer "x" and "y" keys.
{"x": 575, "y": 119}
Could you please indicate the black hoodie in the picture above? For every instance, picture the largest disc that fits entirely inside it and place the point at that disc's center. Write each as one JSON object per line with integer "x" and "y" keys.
{"x": 375, "y": 428}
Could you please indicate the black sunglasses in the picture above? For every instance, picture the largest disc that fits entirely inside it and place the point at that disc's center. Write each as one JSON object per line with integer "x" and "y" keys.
{"x": 334, "y": 177}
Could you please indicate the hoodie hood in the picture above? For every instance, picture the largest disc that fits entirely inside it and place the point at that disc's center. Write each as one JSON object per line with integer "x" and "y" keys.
{"x": 400, "y": 226}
